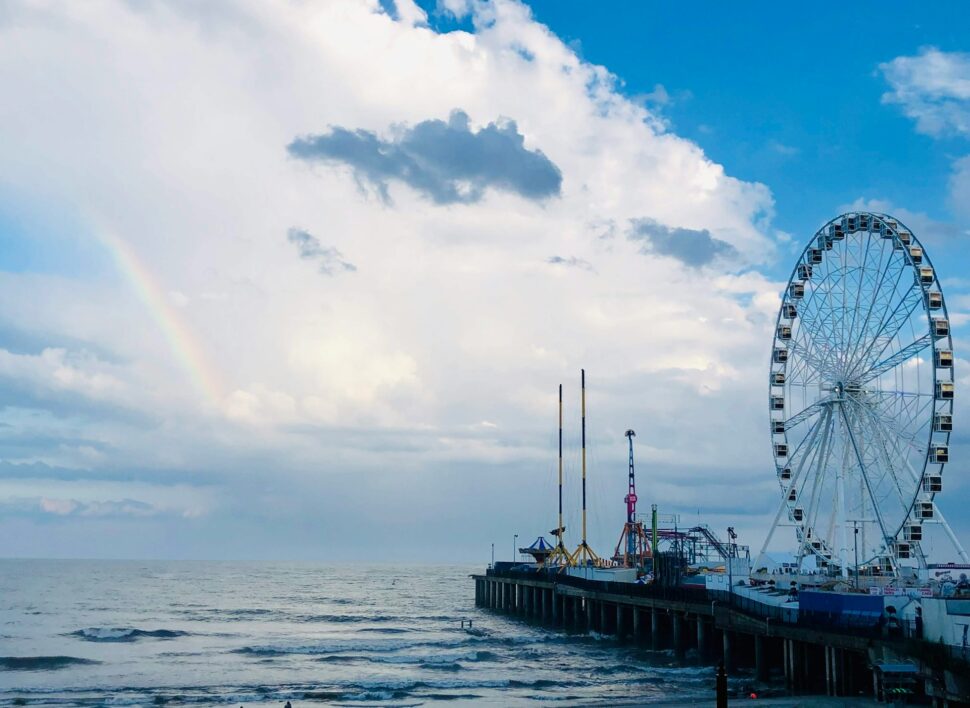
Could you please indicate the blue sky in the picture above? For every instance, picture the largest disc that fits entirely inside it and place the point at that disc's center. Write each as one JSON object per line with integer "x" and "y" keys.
{"x": 785, "y": 95}
{"x": 278, "y": 280}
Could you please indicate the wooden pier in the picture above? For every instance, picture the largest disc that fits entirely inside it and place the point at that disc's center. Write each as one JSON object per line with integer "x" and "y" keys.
{"x": 808, "y": 659}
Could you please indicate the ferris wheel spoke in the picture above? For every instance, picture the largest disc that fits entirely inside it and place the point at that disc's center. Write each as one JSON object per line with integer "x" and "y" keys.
{"x": 878, "y": 284}
{"x": 912, "y": 439}
{"x": 862, "y": 470}
{"x": 903, "y": 355}
{"x": 887, "y": 459}
{"x": 805, "y": 414}
{"x": 888, "y": 329}
{"x": 861, "y": 282}
{"x": 820, "y": 474}
{"x": 807, "y": 361}
{"x": 810, "y": 439}
{"x": 795, "y": 480}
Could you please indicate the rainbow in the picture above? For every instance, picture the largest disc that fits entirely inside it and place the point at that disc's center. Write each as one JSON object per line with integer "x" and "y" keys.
{"x": 180, "y": 339}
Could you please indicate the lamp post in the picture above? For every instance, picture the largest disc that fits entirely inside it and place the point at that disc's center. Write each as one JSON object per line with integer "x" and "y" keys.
{"x": 730, "y": 555}
{"x": 515, "y": 545}
{"x": 855, "y": 543}
{"x": 493, "y": 555}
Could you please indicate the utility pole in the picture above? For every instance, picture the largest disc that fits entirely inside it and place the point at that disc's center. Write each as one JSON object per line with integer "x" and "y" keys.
{"x": 493, "y": 555}
{"x": 515, "y": 544}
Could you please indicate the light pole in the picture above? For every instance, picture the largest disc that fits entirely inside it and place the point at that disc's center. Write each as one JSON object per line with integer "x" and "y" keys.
{"x": 855, "y": 542}
{"x": 515, "y": 544}
{"x": 730, "y": 555}
{"x": 493, "y": 555}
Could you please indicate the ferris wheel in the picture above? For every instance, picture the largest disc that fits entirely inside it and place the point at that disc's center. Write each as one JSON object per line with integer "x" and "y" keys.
{"x": 860, "y": 399}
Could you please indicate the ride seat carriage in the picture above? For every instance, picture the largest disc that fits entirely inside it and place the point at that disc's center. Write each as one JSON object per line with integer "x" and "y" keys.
{"x": 943, "y": 423}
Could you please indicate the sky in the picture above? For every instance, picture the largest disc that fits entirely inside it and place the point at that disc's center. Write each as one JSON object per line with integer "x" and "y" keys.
{"x": 300, "y": 280}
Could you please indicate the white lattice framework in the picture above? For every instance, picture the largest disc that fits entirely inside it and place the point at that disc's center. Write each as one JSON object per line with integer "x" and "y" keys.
{"x": 861, "y": 397}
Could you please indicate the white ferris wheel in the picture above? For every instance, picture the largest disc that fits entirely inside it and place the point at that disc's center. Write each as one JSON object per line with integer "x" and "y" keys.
{"x": 861, "y": 399}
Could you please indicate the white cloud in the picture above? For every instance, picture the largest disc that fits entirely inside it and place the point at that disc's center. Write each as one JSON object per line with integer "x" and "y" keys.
{"x": 960, "y": 187}
{"x": 169, "y": 130}
{"x": 933, "y": 88}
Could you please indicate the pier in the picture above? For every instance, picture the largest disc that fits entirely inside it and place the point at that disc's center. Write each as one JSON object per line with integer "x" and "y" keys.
{"x": 722, "y": 628}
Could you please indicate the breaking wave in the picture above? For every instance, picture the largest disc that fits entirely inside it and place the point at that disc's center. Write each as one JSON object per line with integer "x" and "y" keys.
{"x": 41, "y": 663}
{"x": 124, "y": 634}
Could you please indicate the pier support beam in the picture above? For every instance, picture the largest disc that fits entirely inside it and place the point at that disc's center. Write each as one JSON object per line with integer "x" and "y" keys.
{"x": 654, "y": 629}
{"x": 829, "y": 688}
{"x": 547, "y": 596}
{"x": 678, "y": 635}
{"x": 760, "y": 658}
{"x": 726, "y": 640}
{"x": 620, "y": 628}
{"x": 786, "y": 661}
{"x": 556, "y": 601}
{"x": 702, "y": 648}
{"x": 637, "y": 629}
{"x": 603, "y": 628}
{"x": 589, "y": 614}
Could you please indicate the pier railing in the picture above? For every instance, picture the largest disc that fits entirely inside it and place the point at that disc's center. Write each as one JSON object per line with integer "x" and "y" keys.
{"x": 653, "y": 591}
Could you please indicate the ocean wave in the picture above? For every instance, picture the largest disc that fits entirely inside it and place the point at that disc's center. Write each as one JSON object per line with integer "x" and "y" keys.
{"x": 339, "y": 647}
{"x": 41, "y": 663}
{"x": 441, "y": 666}
{"x": 424, "y": 661}
{"x": 124, "y": 634}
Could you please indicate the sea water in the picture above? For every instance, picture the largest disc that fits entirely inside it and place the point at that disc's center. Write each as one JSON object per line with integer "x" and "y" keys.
{"x": 130, "y": 633}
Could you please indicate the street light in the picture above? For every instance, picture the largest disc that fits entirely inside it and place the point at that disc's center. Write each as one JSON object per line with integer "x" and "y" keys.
{"x": 493, "y": 556}
{"x": 515, "y": 545}
{"x": 855, "y": 542}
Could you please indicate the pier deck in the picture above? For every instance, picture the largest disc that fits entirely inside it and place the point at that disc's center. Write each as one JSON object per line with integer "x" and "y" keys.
{"x": 808, "y": 658}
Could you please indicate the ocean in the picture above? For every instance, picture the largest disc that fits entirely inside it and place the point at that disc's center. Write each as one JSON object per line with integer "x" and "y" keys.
{"x": 131, "y": 633}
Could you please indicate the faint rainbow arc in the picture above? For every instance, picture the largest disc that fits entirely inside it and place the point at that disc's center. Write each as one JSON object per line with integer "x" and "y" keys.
{"x": 181, "y": 341}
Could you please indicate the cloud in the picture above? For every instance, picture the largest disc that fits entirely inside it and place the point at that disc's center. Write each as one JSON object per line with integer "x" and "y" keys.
{"x": 782, "y": 149}
{"x": 386, "y": 378}
{"x": 933, "y": 88}
{"x": 960, "y": 187}
{"x": 330, "y": 261}
{"x": 448, "y": 162}
{"x": 930, "y": 231}
{"x": 122, "y": 507}
{"x": 693, "y": 247}
{"x": 570, "y": 262}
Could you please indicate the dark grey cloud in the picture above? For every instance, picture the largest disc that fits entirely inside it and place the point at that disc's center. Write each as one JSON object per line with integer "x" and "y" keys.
{"x": 692, "y": 247}
{"x": 448, "y": 162}
{"x": 329, "y": 260}
{"x": 570, "y": 262}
